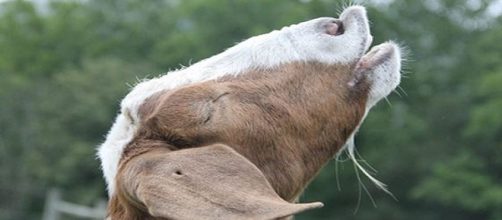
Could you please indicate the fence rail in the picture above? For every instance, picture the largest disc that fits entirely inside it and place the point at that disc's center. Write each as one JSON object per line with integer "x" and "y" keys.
{"x": 55, "y": 206}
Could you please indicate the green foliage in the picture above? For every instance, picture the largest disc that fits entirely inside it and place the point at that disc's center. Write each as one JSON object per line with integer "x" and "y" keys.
{"x": 463, "y": 182}
{"x": 438, "y": 145}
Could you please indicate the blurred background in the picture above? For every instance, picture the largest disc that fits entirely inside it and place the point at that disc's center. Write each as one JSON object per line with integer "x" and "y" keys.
{"x": 65, "y": 65}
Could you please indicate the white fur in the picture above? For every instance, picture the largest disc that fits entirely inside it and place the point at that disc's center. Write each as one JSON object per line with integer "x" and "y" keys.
{"x": 384, "y": 78}
{"x": 306, "y": 41}
{"x": 110, "y": 151}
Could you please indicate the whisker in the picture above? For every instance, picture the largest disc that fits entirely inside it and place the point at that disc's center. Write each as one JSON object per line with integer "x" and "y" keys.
{"x": 363, "y": 186}
{"x": 388, "y": 102}
{"x": 364, "y": 161}
{"x": 369, "y": 195}
{"x": 402, "y": 90}
{"x": 379, "y": 184}
{"x": 359, "y": 190}
{"x": 129, "y": 85}
{"x": 336, "y": 176}
{"x": 397, "y": 93}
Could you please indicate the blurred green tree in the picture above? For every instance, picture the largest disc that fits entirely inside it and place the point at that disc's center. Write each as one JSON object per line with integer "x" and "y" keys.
{"x": 438, "y": 146}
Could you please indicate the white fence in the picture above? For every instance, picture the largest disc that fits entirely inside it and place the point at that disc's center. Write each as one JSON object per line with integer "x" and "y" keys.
{"x": 55, "y": 206}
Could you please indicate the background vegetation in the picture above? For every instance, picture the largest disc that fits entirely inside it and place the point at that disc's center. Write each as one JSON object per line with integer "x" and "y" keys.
{"x": 64, "y": 67}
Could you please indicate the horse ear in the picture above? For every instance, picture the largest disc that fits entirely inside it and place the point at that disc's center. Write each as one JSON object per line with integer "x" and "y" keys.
{"x": 211, "y": 182}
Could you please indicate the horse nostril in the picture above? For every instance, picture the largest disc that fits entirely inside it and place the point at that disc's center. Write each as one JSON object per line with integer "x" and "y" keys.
{"x": 341, "y": 29}
{"x": 335, "y": 28}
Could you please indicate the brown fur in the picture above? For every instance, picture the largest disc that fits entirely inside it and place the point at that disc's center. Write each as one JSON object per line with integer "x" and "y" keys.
{"x": 288, "y": 121}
